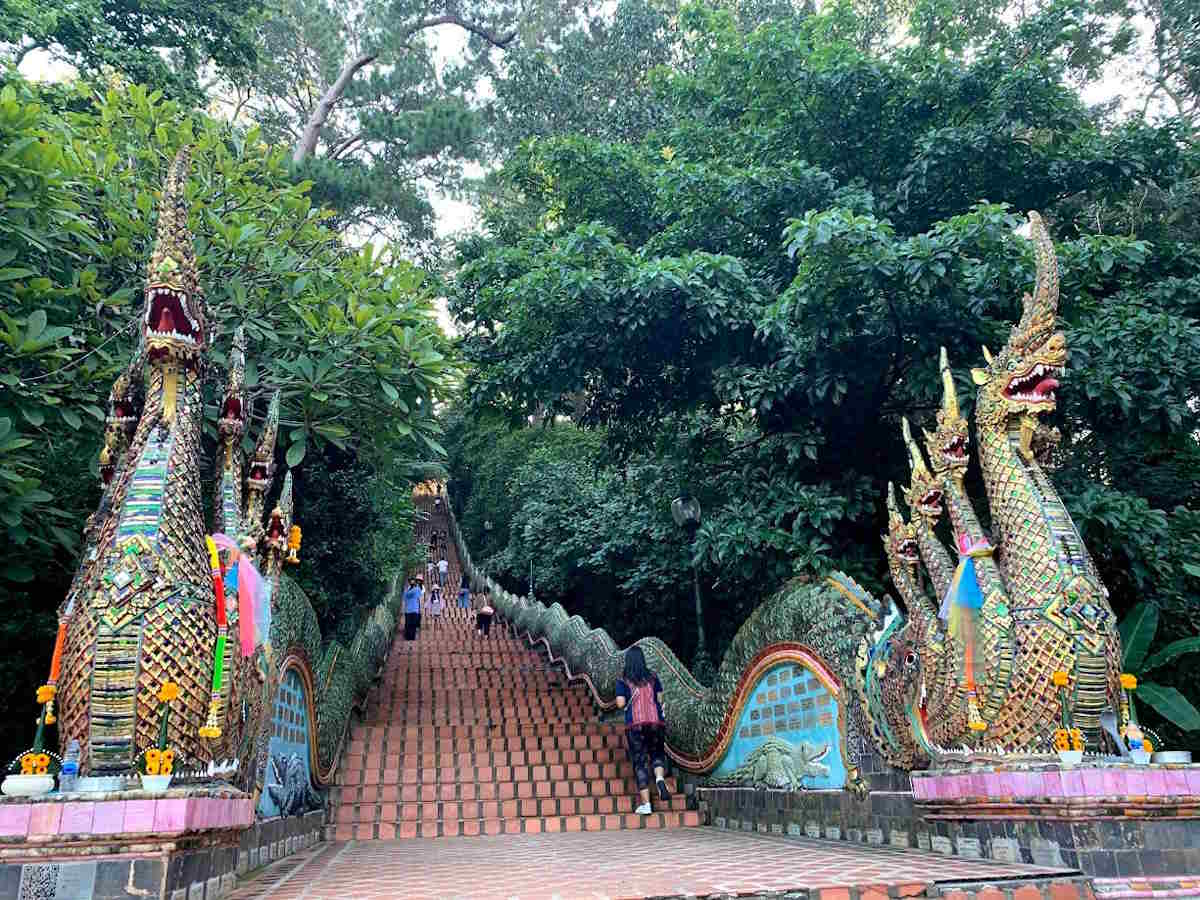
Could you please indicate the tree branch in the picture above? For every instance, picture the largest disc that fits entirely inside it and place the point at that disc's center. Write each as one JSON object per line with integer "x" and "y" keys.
{"x": 307, "y": 144}
{"x": 496, "y": 40}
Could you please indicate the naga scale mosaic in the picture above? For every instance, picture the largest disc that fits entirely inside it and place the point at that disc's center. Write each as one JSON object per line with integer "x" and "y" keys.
{"x": 142, "y": 610}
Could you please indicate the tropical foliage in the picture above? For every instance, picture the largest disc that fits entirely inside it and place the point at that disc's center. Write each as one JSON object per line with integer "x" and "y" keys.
{"x": 744, "y": 296}
{"x": 349, "y": 337}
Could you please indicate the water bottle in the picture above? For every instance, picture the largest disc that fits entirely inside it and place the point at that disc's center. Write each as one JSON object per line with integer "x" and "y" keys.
{"x": 68, "y": 775}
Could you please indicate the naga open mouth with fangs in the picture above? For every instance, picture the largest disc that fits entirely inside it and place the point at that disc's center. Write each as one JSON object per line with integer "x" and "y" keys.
{"x": 1037, "y": 386}
{"x": 172, "y": 331}
{"x": 173, "y": 325}
{"x": 954, "y": 451}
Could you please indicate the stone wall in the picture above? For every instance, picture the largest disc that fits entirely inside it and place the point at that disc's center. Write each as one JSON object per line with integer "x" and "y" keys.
{"x": 883, "y": 818}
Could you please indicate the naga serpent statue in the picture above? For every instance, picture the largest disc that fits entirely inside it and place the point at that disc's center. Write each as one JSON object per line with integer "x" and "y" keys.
{"x": 141, "y": 610}
{"x": 146, "y": 603}
{"x": 966, "y": 671}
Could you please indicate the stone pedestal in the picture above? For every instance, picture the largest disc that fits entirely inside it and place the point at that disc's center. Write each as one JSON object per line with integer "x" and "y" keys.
{"x": 1109, "y": 820}
{"x": 178, "y": 845}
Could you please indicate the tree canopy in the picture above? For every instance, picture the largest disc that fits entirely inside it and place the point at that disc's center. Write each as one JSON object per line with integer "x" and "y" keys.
{"x": 744, "y": 296}
{"x": 348, "y": 336}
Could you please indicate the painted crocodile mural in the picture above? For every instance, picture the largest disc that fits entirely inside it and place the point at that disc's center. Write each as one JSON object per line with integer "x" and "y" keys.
{"x": 776, "y": 764}
{"x": 948, "y": 678}
{"x": 141, "y": 610}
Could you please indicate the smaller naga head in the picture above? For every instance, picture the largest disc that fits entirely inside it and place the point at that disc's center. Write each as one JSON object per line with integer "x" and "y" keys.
{"x": 262, "y": 466}
{"x": 891, "y": 683}
{"x": 924, "y": 493}
{"x": 276, "y": 531}
{"x": 949, "y": 442}
{"x": 123, "y": 402}
{"x": 108, "y": 457}
{"x": 231, "y": 424}
{"x": 174, "y": 321}
{"x": 900, "y": 542}
{"x": 1021, "y": 380}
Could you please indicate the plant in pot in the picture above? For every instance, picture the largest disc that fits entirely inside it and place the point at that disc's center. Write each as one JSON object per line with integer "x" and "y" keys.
{"x": 1068, "y": 740}
{"x": 1144, "y": 662}
{"x": 32, "y": 773}
{"x": 156, "y": 765}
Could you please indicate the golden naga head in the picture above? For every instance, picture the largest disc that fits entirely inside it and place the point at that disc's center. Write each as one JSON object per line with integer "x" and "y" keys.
{"x": 900, "y": 542}
{"x": 1021, "y": 380}
{"x": 174, "y": 322}
{"x": 262, "y": 466}
{"x": 949, "y": 442}
{"x": 231, "y": 424}
{"x": 923, "y": 494}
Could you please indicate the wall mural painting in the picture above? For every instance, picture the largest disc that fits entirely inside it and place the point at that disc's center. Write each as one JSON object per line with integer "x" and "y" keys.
{"x": 288, "y": 787}
{"x": 788, "y": 735}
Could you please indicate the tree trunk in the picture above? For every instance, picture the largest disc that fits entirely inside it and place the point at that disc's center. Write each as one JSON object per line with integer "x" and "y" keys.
{"x": 307, "y": 144}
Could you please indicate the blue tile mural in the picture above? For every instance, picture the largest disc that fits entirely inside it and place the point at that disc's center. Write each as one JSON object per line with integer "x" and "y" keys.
{"x": 287, "y": 764}
{"x": 787, "y": 734}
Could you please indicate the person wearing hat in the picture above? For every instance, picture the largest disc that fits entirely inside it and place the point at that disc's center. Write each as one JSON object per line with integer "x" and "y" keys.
{"x": 412, "y": 608}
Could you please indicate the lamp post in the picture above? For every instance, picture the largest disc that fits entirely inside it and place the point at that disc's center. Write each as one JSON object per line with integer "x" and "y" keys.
{"x": 685, "y": 510}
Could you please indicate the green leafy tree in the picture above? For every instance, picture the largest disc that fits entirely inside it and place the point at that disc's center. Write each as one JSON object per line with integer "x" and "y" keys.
{"x": 357, "y": 97}
{"x": 348, "y": 336}
{"x": 166, "y": 44}
{"x": 757, "y": 290}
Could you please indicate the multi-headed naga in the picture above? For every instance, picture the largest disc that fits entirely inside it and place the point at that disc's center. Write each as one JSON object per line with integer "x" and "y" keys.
{"x": 969, "y": 669}
{"x": 141, "y": 612}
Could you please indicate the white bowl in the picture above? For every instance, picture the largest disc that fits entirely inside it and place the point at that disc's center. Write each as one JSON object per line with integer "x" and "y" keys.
{"x": 27, "y": 785}
{"x": 1070, "y": 757}
{"x": 1140, "y": 757}
{"x": 156, "y": 784}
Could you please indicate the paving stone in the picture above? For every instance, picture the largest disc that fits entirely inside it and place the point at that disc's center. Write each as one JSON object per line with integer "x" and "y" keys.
{"x": 697, "y": 862}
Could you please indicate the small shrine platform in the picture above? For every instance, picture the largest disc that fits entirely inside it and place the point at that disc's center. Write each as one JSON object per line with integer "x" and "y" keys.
{"x": 186, "y": 843}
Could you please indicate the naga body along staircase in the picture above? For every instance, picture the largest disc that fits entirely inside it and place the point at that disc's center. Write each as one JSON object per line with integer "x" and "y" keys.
{"x": 467, "y": 735}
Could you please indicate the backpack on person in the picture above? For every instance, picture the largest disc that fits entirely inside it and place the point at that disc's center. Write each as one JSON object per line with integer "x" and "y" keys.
{"x": 643, "y": 707}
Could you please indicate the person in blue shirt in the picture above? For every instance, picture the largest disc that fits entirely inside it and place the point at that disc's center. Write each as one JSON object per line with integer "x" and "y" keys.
{"x": 464, "y": 597}
{"x": 412, "y": 610}
{"x": 640, "y": 694}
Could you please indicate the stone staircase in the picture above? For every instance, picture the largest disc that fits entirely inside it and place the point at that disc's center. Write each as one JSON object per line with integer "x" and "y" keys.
{"x": 469, "y": 736}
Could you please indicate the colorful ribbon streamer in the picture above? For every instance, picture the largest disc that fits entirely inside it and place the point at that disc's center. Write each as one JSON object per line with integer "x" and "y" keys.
{"x": 960, "y": 610}
{"x": 253, "y": 597}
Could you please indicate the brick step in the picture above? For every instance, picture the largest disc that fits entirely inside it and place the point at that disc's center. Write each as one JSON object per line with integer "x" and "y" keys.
{"x": 474, "y": 827}
{"x": 538, "y": 688}
{"x": 484, "y": 721}
{"x": 611, "y": 777}
{"x": 500, "y": 744}
{"x": 420, "y": 702}
{"x": 514, "y": 683}
{"x": 489, "y": 790}
{"x": 532, "y": 808}
{"x": 603, "y": 776}
{"x": 439, "y": 734}
{"x": 568, "y": 759}
{"x": 426, "y": 715}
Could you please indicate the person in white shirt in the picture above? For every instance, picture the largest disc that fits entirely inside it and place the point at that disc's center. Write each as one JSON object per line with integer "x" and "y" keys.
{"x": 443, "y": 570}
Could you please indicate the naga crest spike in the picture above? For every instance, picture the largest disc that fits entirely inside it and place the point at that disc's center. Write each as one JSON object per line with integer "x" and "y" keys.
{"x": 893, "y": 508}
{"x": 949, "y": 393}
{"x": 1040, "y": 307}
{"x": 915, "y": 457}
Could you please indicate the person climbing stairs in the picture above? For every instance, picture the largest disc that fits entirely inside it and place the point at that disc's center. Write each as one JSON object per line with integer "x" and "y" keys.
{"x": 468, "y": 736}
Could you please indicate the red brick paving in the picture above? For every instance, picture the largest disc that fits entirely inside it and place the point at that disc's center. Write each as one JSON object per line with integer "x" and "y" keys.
{"x": 465, "y": 736}
{"x": 612, "y": 864}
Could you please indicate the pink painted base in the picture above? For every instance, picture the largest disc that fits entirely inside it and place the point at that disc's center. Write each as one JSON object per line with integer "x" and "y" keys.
{"x": 70, "y": 817}
{"x": 1053, "y": 781}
